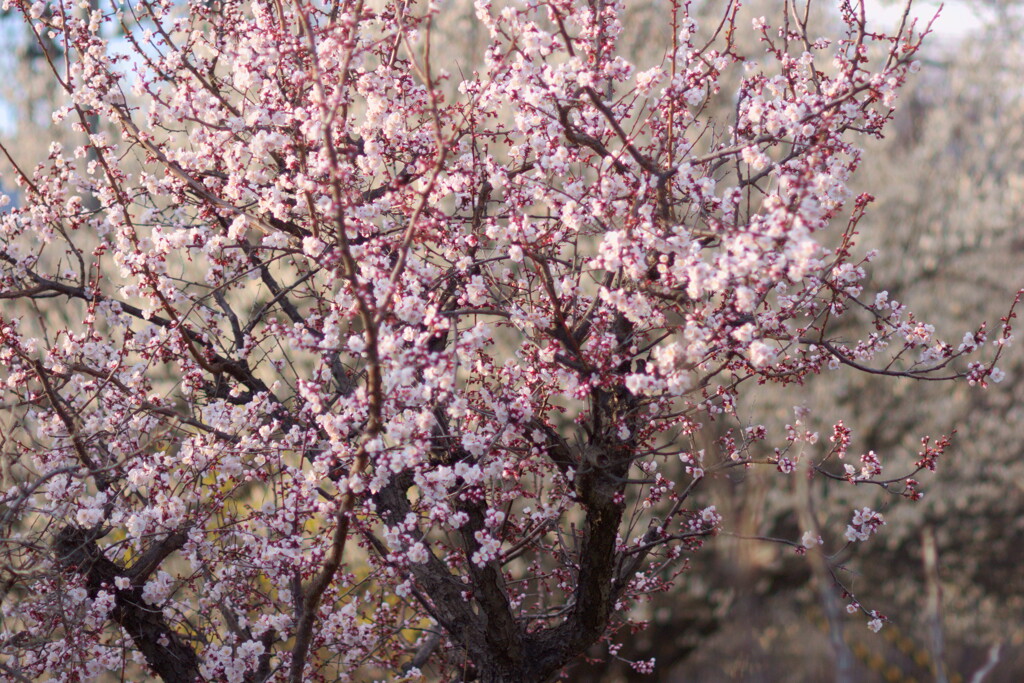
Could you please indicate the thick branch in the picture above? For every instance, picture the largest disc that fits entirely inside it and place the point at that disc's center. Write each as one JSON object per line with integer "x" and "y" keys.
{"x": 166, "y": 652}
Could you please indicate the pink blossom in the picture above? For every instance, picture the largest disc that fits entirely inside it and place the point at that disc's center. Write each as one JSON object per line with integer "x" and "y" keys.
{"x": 312, "y": 342}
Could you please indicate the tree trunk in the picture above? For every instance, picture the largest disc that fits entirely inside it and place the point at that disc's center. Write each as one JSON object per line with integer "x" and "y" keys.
{"x": 166, "y": 653}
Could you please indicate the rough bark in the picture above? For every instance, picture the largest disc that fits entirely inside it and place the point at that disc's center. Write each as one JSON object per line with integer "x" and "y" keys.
{"x": 166, "y": 652}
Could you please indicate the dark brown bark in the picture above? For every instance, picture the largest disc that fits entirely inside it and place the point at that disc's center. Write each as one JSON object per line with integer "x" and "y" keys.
{"x": 166, "y": 652}
{"x": 496, "y": 645}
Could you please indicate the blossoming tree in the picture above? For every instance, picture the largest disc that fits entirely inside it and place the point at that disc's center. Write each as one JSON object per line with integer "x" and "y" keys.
{"x": 320, "y": 358}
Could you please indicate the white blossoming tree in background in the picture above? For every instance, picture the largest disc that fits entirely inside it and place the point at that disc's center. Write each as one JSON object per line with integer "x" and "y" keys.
{"x": 327, "y": 357}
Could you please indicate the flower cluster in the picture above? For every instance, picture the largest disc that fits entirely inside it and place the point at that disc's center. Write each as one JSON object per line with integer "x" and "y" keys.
{"x": 864, "y": 523}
